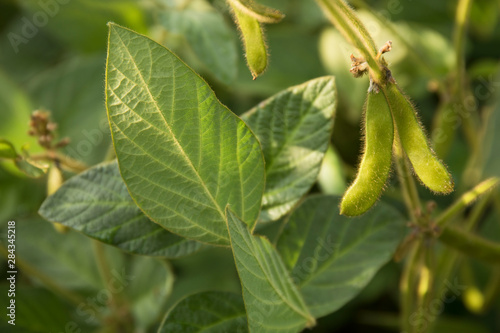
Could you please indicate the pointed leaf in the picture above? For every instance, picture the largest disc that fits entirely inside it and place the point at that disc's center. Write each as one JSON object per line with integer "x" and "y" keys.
{"x": 96, "y": 203}
{"x": 207, "y": 33}
{"x": 294, "y": 128}
{"x": 183, "y": 155}
{"x": 207, "y": 312}
{"x": 272, "y": 301}
{"x": 31, "y": 168}
{"x": 333, "y": 257}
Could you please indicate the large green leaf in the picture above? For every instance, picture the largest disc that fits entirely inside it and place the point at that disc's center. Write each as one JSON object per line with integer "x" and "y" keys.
{"x": 207, "y": 33}
{"x": 207, "y": 312}
{"x": 183, "y": 155}
{"x": 97, "y": 204}
{"x": 272, "y": 301}
{"x": 333, "y": 257}
{"x": 294, "y": 128}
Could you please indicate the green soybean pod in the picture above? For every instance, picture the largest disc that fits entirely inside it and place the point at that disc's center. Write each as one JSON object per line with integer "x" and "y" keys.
{"x": 429, "y": 169}
{"x": 377, "y": 156}
{"x": 260, "y": 12}
{"x": 253, "y": 39}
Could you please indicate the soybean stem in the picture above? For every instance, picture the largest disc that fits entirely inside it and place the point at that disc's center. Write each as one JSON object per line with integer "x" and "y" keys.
{"x": 470, "y": 120}
{"x": 465, "y": 200}
{"x": 408, "y": 186}
{"x": 408, "y": 285}
{"x": 353, "y": 30}
{"x": 461, "y": 20}
{"x": 66, "y": 161}
{"x": 413, "y": 52}
{"x": 471, "y": 245}
{"x": 492, "y": 290}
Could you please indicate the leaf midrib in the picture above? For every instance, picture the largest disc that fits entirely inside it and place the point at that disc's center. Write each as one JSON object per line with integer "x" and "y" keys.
{"x": 176, "y": 142}
{"x": 294, "y": 130}
{"x": 293, "y": 307}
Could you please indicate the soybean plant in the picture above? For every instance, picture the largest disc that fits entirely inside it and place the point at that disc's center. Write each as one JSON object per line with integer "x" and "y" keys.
{"x": 192, "y": 196}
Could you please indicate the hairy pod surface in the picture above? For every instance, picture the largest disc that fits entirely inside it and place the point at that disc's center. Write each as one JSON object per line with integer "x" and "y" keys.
{"x": 376, "y": 162}
{"x": 253, "y": 39}
{"x": 429, "y": 169}
{"x": 260, "y": 12}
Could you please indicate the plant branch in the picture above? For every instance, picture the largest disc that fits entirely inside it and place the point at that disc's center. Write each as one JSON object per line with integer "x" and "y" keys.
{"x": 461, "y": 20}
{"x": 492, "y": 290}
{"x": 351, "y": 27}
{"x": 409, "y": 284}
{"x": 407, "y": 182}
{"x": 470, "y": 120}
{"x": 465, "y": 200}
{"x": 471, "y": 245}
{"x": 413, "y": 52}
{"x": 65, "y": 161}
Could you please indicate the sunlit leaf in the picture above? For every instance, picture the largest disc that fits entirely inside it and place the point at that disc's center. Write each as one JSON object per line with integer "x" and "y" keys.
{"x": 294, "y": 129}
{"x": 183, "y": 155}
{"x": 272, "y": 301}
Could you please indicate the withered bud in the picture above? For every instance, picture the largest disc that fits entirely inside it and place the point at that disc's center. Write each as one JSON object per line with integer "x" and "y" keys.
{"x": 51, "y": 126}
{"x": 431, "y": 205}
{"x": 359, "y": 70}
{"x": 62, "y": 143}
{"x": 384, "y": 49}
{"x": 356, "y": 61}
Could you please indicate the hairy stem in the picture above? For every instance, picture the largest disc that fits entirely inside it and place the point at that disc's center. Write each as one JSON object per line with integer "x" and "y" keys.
{"x": 409, "y": 286}
{"x": 470, "y": 244}
{"x": 65, "y": 161}
{"x": 465, "y": 200}
{"x": 407, "y": 182}
{"x": 354, "y": 31}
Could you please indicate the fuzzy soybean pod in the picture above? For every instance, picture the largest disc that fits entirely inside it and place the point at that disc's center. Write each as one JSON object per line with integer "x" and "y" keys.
{"x": 376, "y": 161}
{"x": 429, "y": 169}
{"x": 253, "y": 39}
